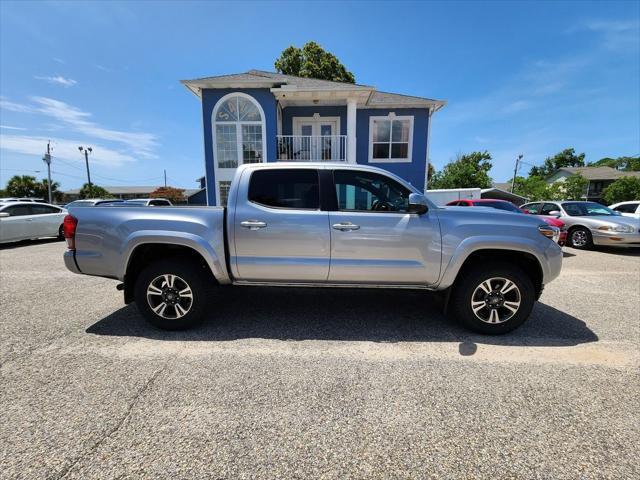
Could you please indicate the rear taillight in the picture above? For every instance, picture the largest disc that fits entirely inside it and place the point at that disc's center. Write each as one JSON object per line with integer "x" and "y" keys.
{"x": 69, "y": 227}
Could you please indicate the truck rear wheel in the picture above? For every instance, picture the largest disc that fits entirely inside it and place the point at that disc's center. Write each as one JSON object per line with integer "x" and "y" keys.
{"x": 492, "y": 300}
{"x": 171, "y": 294}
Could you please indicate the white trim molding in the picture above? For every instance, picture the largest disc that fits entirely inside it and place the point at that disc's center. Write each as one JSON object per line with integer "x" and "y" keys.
{"x": 226, "y": 174}
{"x": 316, "y": 119}
{"x": 391, "y": 117}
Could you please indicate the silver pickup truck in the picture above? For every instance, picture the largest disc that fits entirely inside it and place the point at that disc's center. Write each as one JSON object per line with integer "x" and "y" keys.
{"x": 320, "y": 225}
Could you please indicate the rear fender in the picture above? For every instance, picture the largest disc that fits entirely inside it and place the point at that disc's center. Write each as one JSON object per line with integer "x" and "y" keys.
{"x": 214, "y": 260}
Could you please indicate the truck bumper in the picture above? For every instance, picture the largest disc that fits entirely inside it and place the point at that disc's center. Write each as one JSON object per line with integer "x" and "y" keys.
{"x": 70, "y": 261}
{"x": 553, "y": 265}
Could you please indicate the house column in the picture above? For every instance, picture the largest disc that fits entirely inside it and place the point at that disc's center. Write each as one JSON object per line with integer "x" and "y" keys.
{"x": 351, "y": 130}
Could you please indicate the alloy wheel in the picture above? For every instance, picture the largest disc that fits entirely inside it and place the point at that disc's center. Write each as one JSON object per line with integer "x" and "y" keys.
{"x": 169, "y": 296}
{"x": 496, "y": 300}
{"x": 579, "y": 238}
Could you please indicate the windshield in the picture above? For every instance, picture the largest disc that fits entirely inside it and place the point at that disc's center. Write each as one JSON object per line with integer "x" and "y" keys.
{"x": 586, "y": 209}
{"x": 509, "y": 207}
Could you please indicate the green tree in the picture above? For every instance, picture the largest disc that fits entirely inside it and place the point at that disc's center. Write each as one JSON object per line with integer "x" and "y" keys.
{"x": 95, "y": 192}
{"x": 466, "y": 171}
{"x": 21, "y": 186}
{"x": 565, "y": 158}
{"x": 575, "y": 187}
{"x": 175, "y": 195}
{"x": 42, "y": 191}
{"x": 627, "y": 164}
{"x": 533, "y": 188}
{"x": 622, "y": 190}
{"x": 312, "y": 61}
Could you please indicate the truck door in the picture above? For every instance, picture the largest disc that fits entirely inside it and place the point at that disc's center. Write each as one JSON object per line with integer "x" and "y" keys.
{"x": 374, "y": 239}
{"x": 279, "y": 231}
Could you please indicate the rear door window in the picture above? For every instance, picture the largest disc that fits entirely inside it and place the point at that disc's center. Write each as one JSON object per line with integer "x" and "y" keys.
{"x": 43, "y": 209}
{"x": 18, "y": 210}
{"x": 285, "y": 188}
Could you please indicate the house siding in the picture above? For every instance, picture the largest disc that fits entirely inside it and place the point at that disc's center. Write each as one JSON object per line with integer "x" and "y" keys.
{"x": 289, "y": 113}
{"x": 414, "y": 171}
{"x": 209, "y": 99}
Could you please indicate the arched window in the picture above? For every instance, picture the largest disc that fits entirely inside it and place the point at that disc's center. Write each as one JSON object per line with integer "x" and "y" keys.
{"x": 238, "y": 131}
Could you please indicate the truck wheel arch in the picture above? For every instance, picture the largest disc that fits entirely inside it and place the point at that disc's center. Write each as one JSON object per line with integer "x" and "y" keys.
{"x": 526, "y": 261}
{"x": 145, "y": 253}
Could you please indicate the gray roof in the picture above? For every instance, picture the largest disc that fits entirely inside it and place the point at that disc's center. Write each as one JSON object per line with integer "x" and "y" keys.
{"x": 505, "y": 186}
{"x": 120, "y": 190}
{"x": 599, "y": 173}
{"x": 273, "y": 79}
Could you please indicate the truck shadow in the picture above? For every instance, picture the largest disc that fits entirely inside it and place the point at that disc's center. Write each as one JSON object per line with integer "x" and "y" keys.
{"x": 347, "y": 315}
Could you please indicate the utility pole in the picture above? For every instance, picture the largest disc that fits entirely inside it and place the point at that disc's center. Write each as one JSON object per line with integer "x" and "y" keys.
{"x": 165, "y": 178}
{"x": 87, "y": 151}
{"x": 515, "y": 172}
{"x": 47, "y": 159}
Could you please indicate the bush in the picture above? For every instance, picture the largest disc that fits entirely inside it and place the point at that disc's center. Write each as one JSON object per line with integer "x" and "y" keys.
{"x": 622, "y": 190}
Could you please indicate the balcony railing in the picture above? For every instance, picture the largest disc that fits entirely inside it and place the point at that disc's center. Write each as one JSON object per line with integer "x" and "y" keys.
{"x": 312, "y": 148}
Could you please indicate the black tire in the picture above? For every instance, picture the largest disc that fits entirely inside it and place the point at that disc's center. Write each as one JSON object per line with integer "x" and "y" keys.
{"x": 580, "y": 238}
{"x": 468, "y": 289}
{"x": 186, "y": 272}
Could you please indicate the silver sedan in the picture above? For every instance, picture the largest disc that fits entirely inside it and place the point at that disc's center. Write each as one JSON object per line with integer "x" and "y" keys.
{"x": 590, "y": 223}
{"x": 27, "y": 220}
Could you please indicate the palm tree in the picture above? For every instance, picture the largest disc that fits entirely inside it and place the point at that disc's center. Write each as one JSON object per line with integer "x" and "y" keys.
{"x": 21, "y": 186}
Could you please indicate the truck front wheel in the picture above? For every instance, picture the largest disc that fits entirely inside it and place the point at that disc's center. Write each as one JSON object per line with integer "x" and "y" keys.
{"x": 492, "y": 300}
{"x": 171, "y": 294}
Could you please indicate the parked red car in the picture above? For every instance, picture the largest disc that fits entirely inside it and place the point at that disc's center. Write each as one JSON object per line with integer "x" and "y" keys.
{"x": 510, "y": 207}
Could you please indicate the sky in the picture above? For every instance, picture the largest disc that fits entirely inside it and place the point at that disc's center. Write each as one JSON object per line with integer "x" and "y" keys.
{"x": 528, "y": 78}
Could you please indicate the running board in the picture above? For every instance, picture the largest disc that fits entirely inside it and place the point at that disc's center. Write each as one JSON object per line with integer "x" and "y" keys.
{"x": 329, "y": 285}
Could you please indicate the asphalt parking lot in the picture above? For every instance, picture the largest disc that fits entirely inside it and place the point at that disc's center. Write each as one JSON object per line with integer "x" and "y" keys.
{"x": 282, "y": 383}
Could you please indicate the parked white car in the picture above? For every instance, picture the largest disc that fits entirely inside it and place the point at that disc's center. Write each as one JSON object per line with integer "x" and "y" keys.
{"x": 628, "y": 209}
{"x": 27, "y": 220}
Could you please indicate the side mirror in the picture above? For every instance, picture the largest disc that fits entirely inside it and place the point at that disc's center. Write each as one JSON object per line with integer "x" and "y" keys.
{"x": 4, "y": 215}
{"x": 555, "y": 213}
{"x": 417, "y": 204}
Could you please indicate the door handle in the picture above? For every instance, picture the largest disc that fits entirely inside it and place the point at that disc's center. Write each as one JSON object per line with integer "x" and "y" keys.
{"x": 253, "y": 224}
{"x": 345, "y": 226}
{"x": 29, "y": 219}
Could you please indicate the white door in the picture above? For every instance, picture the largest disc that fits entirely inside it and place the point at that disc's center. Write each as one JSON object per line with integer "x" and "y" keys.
{"x": 316, "y": 138}
{"x": 15, "y": 226}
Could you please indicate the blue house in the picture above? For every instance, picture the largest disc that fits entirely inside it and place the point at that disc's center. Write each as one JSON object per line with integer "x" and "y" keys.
{"x": 262, "y": 116}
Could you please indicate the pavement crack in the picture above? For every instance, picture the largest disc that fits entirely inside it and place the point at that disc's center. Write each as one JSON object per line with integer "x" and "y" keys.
{"x": 111, "y": 432}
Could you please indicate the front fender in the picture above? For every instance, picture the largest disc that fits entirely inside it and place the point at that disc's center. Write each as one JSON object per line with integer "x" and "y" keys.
{"x": 214, "y": 260}
{"x": 548, "y": 254}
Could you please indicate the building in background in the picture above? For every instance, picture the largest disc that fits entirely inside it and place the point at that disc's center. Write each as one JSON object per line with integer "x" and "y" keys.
{"x": 599, "y": 178}
{"x": 261, "y": 116}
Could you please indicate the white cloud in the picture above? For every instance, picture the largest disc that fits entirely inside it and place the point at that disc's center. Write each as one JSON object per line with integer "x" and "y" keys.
{"x": 9, "y": 127}
{"x": 141, "y": 144}
{"x": 15, "y": 107}
{"x": 62, "y": 148}
{"x": 58, "y": 80}
{"x": 617, "y": 35}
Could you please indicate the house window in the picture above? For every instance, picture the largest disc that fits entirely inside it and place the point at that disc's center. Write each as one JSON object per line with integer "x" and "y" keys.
{"x": 238, "y": 131}
{"x": 390, "y": 139}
